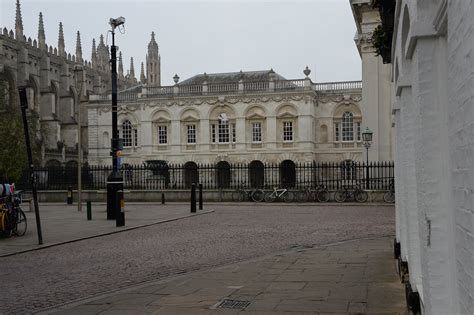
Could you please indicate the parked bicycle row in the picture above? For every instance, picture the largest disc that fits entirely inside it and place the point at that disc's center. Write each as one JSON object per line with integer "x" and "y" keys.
{"x": 318, "y": 194}
{"x": 12, "y": 218}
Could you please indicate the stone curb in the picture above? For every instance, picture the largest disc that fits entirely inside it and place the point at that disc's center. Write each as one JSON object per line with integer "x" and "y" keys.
{"x": 105, "y": 234}
{"x": 169, "y": 278}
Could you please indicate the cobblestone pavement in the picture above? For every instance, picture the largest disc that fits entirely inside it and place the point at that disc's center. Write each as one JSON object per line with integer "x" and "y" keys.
{"x": 352, "y": 277}
{"x": 41, "y": 279}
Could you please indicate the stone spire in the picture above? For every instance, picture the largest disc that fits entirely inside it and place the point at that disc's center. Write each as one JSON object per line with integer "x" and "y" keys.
{"x": 142, "y": 75}
{"x": 94, "y": 54}
{"x": 18, "y": 22}
{"x": 153, "y": 63}
{"x": 78, "y": 48}
{"x": 41, "y": 36}
{"x": 102, "y": 54}
{"x": 61, "y": 46}
{"x": 132, "y": 69}
{"x": 120, "y": 65}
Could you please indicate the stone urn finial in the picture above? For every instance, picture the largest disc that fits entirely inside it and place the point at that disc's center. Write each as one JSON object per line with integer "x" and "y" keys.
{"x": 176, "y": 78}
{"x": 307, "y": 71}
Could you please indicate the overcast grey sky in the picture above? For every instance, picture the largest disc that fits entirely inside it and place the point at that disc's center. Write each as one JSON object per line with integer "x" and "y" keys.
{"x": 209, "y": 36}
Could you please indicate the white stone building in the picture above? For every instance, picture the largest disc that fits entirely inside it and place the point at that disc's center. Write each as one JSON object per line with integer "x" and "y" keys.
{"x": 432, "y": 62}
{"x": 233, "y": 117}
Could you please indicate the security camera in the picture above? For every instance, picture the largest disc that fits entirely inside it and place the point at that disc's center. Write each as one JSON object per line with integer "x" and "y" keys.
{"x": 117, "y": 22}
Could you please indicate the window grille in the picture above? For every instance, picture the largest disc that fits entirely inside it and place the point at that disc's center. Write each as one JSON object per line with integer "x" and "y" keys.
{"x": 191, "y": 134}
{"x": 287, "y": 131}
{"x": 347, "y": 127}
{"x": 135, "y": 137}
{"x": 162, "y": 135}
{"x": 257, "y": 132}
{"x": 224, "y": 133}
{"x": 337, "y": 131}
{"x": 233, "y": 134}
{"x": 127, "y": 133}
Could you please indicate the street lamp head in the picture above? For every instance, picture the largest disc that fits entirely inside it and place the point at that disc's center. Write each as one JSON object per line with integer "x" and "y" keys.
{"x": 116, "y": 22}
{"x": 367, "y": 135}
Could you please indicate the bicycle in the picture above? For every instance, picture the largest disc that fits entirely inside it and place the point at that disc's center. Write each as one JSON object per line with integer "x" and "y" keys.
{"x": 357, "y": 194}
{"x": 321, "y": 194}
{"x": 389, "y": 196}
{"x": 12, "y": 218}
{"x": 243, "y": 194}
{"x": 282, "y": 193}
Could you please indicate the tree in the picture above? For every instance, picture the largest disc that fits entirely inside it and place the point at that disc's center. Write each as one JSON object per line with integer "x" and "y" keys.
{"x": 13, "y": 158}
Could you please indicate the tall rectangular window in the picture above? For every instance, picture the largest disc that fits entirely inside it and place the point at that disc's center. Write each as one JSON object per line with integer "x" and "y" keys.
{"x": 162, "y": 135}
{"x": 287, "y": 131}
{"x": 213, "y": 133}
{"x": 127, "y": 133}
{"x": 191, "y": 134}
{"x": 358, "y": 132}
{"x": 257, "y": 132}
{"x": 336, "y": 131}
{"x": 233, "y": 133}
{"x": 224, "y": 132}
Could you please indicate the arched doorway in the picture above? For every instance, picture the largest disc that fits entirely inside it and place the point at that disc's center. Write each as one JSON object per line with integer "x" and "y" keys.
{"x": 256, "y": 174}
{"x": 223, "y": 174}
{"x": 191, "y": 174}
{"x": 287, "y": 174}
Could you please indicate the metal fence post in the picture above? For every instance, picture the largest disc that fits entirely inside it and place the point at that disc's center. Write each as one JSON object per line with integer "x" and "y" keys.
{"x": 200, "y": 196}
{"x": 89, "y": 210}
{"x": 193, "y": 198}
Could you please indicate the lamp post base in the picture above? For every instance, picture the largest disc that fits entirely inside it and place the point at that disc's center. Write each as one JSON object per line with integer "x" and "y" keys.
{"x": 114, "y": 185}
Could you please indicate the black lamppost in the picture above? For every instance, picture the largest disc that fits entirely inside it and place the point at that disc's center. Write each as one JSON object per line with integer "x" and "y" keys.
{"x": 24, "y": 105}
{"x": 367, "y": 139}
{"x": 115, "y": 179}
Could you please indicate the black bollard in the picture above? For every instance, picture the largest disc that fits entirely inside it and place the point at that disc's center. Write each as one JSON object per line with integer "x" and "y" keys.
{"x": 200, "y": 196}
{"x": 89, "y": 210}
{"x": 69, "y": 195}
{"x": 193, "y": 198}
{"x": 162, "y": 198}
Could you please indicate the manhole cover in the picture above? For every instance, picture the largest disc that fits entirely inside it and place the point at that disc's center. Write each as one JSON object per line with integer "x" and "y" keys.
{"x": 233, "y": 304}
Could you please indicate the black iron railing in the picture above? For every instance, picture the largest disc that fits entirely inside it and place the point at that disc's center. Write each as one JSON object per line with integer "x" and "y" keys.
{"x": 224, "y": 175}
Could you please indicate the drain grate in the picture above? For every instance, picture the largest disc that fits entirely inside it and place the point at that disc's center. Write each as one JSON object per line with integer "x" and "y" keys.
{"x": 233, "y": 304}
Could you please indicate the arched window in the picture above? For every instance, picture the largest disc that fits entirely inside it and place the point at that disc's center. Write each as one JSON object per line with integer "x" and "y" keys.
{"x": 127, "y": 133}
{"x": 347, "y": 127}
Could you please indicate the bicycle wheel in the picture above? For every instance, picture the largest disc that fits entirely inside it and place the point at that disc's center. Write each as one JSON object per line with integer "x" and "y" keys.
{"x": 389, "y": 197}
{"x": 258, "y": 195}
{"x": 361, "y": 196}
{"x": 270, "y": 197}
{"x": 301, "y": 196}
{"x": 323, "y": 195}
{"x": 340, "y": 196}
{"x": 20, "y": 223}
{"x": 289, "y": 196}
